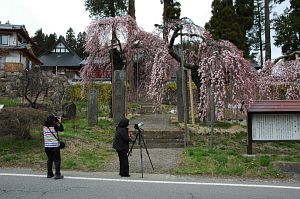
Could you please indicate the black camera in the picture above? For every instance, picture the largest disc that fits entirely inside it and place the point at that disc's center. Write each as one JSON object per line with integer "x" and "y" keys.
{"x": 138, "y": 126}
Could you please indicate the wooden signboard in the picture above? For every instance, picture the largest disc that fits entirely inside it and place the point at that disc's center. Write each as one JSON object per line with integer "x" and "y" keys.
{"x": 276, "y": 120}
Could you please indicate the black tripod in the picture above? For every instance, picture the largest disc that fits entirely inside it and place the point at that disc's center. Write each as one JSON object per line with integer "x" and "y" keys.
{"x": 140, "y": 137}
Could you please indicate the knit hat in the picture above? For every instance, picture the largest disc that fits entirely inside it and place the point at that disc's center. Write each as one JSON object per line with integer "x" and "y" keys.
{"x": 124, "y": 122}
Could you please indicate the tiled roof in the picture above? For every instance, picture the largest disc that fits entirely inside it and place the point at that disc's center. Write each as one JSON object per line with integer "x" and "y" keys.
{"x": 60, "y": 59}
{"x": 17, "y": 28}
{"x": 274, "y": 106}
{"x": 69, "y": 59}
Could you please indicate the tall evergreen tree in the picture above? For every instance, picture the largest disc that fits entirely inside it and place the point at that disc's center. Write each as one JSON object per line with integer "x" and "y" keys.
{"x": 131, "y": 8}
{"x": 257, "y": 32}
{"x": 80, "y": 43}
{"x": 174, "y": 10}
{"x": 224, "y": 23}
{"x": 106, "y": 8}
{"x": 171, "y": 11}
{"x": 267, "y": 11}
{"x": 39, "y": 39}
{"x": 50, "y": 41}
{"x": 44, "y": 42}
{"x": 245, "y": 12}
{"x": 70, "y": 38}
{"x": 267, "y": 31}
{"x": 287, "y": 29}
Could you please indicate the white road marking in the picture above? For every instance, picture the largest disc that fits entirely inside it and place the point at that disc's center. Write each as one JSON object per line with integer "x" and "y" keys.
{"x": 159, "y": 182}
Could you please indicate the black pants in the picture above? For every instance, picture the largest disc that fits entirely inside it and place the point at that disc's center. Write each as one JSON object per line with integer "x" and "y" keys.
{"x": 124, "y": 164}
{"x": 53, "y": 155}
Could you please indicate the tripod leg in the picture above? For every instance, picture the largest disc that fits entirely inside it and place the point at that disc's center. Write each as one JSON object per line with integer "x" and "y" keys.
{"x": 129, "y": 153}
{"x": 141, "y": 153}
{"x": 147, "y": 150}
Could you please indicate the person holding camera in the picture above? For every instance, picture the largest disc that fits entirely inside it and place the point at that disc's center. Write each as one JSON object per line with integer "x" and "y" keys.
{"x": 121, "y": 145}
{"x": 51, "y": 128}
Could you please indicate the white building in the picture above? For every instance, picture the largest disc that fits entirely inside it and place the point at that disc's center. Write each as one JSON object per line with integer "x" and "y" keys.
{"x": 15, "y": 49}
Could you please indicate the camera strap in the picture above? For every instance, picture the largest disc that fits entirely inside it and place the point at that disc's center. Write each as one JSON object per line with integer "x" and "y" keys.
{"x": 56, "y": 137}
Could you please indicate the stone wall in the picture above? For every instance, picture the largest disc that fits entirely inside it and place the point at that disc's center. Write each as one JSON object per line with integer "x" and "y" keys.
{"x": 10, "y": 84}
{"x": 7, "y": 80}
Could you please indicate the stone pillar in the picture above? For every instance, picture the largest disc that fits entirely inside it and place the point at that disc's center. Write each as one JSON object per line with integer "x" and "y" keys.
{"x": 179, "y": 97}
{"x": 180, "y": 107}
{"x": 119, "y": 88}
{"x": 93, "y": 107}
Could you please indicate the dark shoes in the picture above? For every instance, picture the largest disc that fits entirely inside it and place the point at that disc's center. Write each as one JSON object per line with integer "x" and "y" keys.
{"x": 125, "y": 175}
{"x": 50, "y": 175}
{"x": 56, "y": 177}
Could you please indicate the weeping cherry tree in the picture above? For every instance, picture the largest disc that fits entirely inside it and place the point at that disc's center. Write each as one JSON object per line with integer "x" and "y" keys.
{"x": 219, "y": 65}
{"x": 233, "y": 77}
{"x": 280, "y": 80}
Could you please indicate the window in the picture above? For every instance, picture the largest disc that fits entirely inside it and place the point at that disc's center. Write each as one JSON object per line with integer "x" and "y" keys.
{"x": 3, "y": 39}
{"x": 60, "y": 48}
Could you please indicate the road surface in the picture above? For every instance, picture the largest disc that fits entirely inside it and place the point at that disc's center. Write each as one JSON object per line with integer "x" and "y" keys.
{"x": 27, "y": 184}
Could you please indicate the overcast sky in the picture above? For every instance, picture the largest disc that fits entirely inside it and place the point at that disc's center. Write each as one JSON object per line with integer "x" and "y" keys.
{"x": 57, "y": 16}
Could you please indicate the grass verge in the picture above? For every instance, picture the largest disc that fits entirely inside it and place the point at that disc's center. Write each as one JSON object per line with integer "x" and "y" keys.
{"x": 88, "y": 148}
{"x": 228, "y": 157}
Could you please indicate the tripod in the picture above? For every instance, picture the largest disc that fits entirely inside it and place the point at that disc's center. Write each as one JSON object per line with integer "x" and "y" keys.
{"x": 140, "y": 138}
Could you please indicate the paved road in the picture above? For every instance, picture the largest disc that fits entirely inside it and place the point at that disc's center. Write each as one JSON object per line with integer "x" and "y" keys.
{"x": 27, "y": 184}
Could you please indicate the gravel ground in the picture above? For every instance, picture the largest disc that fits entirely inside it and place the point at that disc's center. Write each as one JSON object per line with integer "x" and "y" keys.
{"x": 163, "y": 160}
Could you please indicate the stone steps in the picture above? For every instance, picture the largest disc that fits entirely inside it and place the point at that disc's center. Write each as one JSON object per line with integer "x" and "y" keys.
{"x": 162, "y": 139}
{"x": 146, "y": 108}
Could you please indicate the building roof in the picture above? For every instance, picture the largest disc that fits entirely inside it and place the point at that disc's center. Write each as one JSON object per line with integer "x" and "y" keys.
{"x": 65, "y": 59}
{"x": 270, "y": 106}
{"x": 6, "y": 28}
{"x": 60, "y": 59}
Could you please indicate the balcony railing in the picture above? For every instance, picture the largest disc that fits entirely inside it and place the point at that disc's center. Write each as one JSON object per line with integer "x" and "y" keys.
{"x": 13, "y": 67}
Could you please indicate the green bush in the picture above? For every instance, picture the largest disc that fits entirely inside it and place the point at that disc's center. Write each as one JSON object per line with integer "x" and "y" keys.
{"x": 104, "y": 90}
{"x": 74, "y": 93}
{"x": 19, "y": 121}
{"x": 171, "y": 87}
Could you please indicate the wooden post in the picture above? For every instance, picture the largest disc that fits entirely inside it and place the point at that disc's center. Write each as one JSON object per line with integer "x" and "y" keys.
{"x": 249, "y": 128}
{"x": 184, "y": 100}
{"x": 191, "y": 96}
{"x": 211, "y": 115}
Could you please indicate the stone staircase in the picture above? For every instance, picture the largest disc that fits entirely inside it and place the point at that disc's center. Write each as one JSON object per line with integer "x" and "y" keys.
{"x": 146, "y": 108}
{"x": 159, "y": 132}
{"x": 161, "y": 139}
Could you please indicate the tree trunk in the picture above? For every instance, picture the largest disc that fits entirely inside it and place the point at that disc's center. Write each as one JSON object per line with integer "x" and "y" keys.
{"x": 131, "y": 8}
{"x": 260, "y": 36}
{"x": 130, "y": 58}
{"x": 267, "y": 31}
{"x": 112, "y": 9}
{"x": 165, "y": 20}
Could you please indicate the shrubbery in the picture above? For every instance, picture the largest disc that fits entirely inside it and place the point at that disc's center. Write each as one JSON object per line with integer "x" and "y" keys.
{"x": 104, "y": 90}
{"x": 170, "y": 96}
{"x": 19, "y": 121}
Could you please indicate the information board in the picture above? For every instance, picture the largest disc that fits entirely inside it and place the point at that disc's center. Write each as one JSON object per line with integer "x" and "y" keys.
{"x": 276, "y": 126}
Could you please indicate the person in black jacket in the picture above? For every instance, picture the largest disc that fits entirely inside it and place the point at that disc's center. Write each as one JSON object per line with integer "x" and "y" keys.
{"x": 121, "y": 145}
{"x": 51, "y": 128}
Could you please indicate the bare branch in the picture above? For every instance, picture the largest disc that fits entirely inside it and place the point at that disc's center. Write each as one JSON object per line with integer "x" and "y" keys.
{"x": 286, "y": 56}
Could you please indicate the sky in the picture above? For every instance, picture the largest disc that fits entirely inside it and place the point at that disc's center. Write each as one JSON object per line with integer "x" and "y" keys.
{"x": 57, "y": 16}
